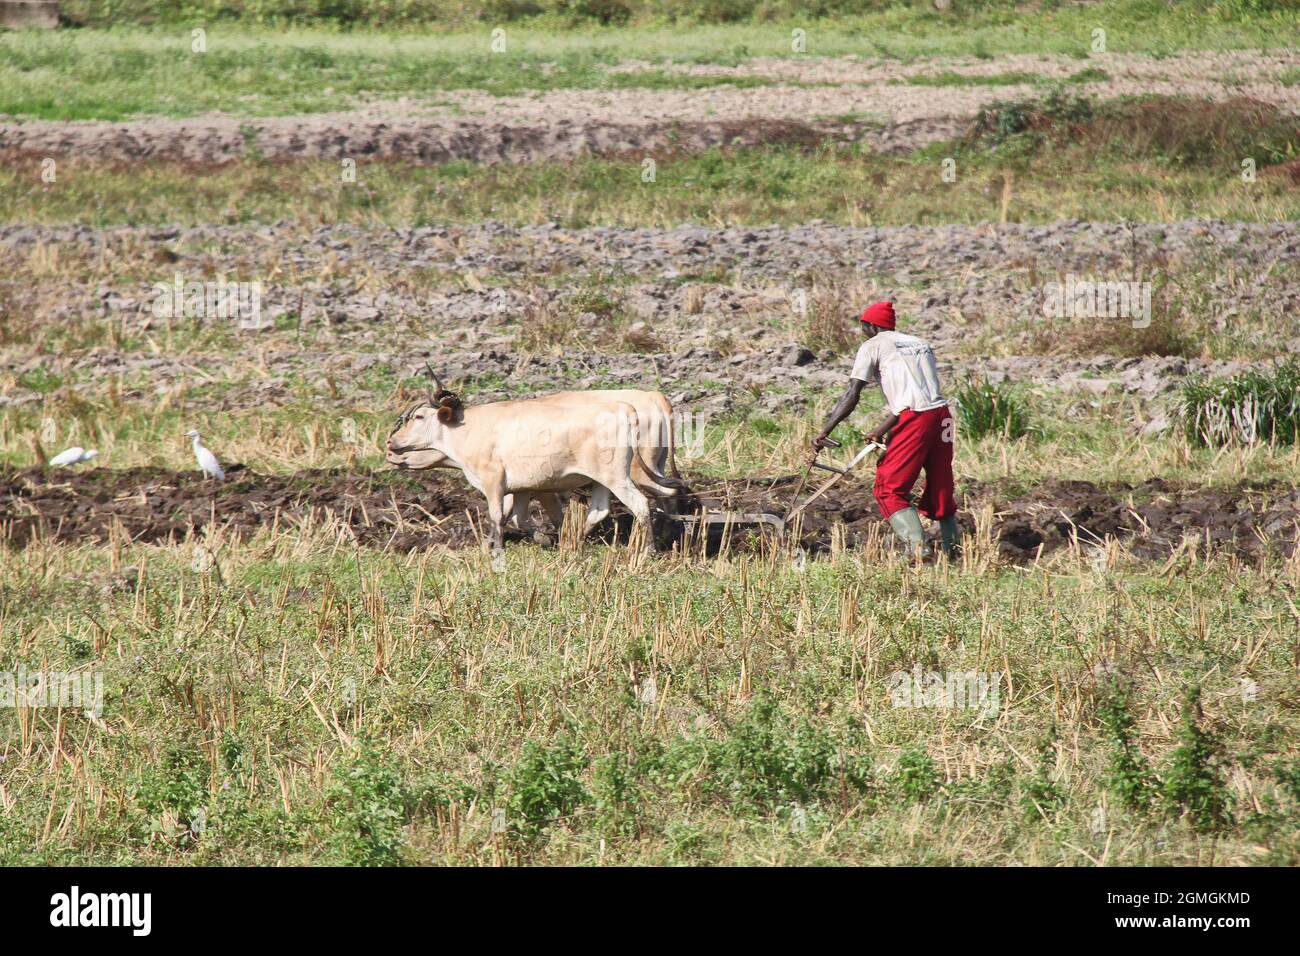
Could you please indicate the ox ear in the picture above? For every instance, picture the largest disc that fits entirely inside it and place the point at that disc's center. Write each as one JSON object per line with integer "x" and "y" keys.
{"x": 450, "y": 408}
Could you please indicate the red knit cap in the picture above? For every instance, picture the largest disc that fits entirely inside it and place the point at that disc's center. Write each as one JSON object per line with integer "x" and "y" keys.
{"x": 881, "y": 314}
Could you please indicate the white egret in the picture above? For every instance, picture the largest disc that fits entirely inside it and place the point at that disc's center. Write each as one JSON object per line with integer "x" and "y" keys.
{"x": 73, "y": 456}
{"x": 208, "y": 463}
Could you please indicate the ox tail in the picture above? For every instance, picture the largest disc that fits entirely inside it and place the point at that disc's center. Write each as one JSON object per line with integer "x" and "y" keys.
{"x": 668, "y": 439}
{"x": 672, "y": 451}
{"x": 665, "y": 487}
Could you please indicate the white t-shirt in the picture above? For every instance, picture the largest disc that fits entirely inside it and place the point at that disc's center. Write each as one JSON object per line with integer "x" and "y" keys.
{"x": 904, "y": 366}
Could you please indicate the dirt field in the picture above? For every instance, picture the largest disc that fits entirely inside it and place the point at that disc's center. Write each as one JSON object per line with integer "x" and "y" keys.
{"x": 715, "y": 307}
{"x": 407, "y": 511}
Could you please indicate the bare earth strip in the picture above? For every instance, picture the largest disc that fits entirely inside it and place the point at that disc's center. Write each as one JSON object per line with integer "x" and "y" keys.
{"x": 407, "y": 511}
{"x": 1203, "y": 68}
{"x": 838, "y": 99}
{"x": 432, "y": 140}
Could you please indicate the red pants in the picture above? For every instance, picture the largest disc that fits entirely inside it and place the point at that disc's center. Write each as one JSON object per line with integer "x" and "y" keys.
{"x": 920, "y": 440}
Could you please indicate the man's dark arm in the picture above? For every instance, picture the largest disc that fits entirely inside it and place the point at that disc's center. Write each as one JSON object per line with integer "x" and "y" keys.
{"x": 884, "y": 428}
{"x": 842, "y": 410}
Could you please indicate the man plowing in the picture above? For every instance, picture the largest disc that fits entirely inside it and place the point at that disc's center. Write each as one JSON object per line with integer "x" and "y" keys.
{"x": 918, "y": 429}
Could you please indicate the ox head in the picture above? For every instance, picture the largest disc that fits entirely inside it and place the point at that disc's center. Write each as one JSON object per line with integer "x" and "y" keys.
{"x": 418, "y": 438}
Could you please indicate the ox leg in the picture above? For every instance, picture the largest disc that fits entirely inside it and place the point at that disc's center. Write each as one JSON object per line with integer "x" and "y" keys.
{"x": 638, "y": 504}
{"x": 550, "y": 503}
{"x": 598, "y": 510}
{"x": 496, "y": 514}
{"x": 519, "y": 508}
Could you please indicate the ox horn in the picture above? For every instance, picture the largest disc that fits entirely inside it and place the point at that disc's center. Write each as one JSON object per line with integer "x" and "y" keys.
{"x": 437, "y": 384}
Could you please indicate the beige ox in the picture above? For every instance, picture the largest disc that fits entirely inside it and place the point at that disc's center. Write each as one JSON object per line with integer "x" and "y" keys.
{"x": 654, "y": 414}
{"x": 517, "y": 448}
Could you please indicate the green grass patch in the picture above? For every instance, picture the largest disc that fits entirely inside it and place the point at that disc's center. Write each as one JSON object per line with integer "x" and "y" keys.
{"x": 255, "y": 66}
{"x": 917, "y": 18}
{"x": 312, "y": 704}
{"x": 1248, "y": 408}
{"x": 950, "y": 78}
{"x": 771, "y": 184}
{"x": 988, "y": 408}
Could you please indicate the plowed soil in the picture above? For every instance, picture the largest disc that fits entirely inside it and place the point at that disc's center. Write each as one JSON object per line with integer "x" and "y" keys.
{"x": 430, "y": 142}
{"x": 406, "y": 511}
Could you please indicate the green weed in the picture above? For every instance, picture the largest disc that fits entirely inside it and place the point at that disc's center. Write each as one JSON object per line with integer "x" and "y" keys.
{"x": 987, "y": 408}
{"x": 768, "y": 760}
{"x": 1128, "y": 774}
{"x": 916, "y": 777}
{"x": 367, "y": 801}
{"x": 1253, "y": 407}
{"x": 1193, "y": 784}
{"x": 545, "y": 786}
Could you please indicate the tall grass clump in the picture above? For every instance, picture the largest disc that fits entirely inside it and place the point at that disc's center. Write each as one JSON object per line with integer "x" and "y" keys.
{"x": 769, "y": 760}
{"x": 1174, "y": 131}
{"x": 368, "y": 801}
{"x": 1250, "y": 408}
{"x": 988, "y": 408}
{"x": 1128, "y": 775}
{"x": 825, "y": 321}
{"x": 1042, "y": 795}
{"x": 1194, "y": 788}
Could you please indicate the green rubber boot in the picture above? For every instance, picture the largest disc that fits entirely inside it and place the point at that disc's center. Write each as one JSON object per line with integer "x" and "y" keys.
{"x": 907, "y": 525}
{"x": 950, "y": 534}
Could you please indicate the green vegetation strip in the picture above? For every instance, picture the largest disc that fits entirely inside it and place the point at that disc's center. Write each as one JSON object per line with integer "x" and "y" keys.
{"x": 288, "y": 701}
{"x": 758, "y": 186}
{"x": 253, "y": 70}
{"x": 1061, "y": 156}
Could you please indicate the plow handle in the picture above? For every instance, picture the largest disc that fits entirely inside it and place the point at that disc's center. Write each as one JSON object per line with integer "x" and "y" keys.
{"x": 838, "y": 474}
